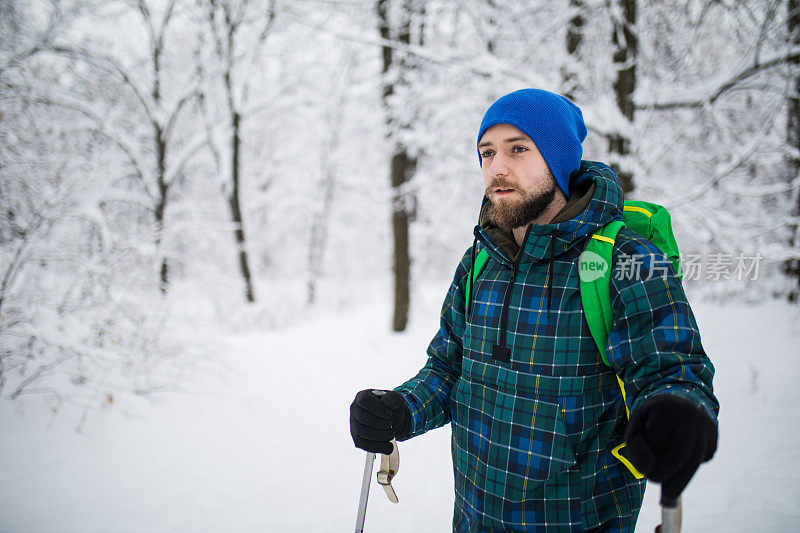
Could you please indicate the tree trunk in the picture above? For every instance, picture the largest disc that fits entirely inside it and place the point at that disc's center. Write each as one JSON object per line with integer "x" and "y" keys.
{"x": 236, "y": 210}
{"x": 319, "y": 238}
{"x": 319, "y": 235}
{"x": 792, "y": 267}
{"x": 491, "y": 24}
{"x": 225, "y": 20}
{"x": 161, "y": 204}
{"x": 625, "y": 46}
{"x": 403, "y": 167}
{"x": 403, "y": 164}
{"x": 574, "y": 39}
{"x": 161, "y": 162}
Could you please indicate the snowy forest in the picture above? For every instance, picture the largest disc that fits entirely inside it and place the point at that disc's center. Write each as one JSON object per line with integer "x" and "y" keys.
{"x": 248, "y": 161}
{"x": 170, "y": 169}
{"x": 166, "y": 163}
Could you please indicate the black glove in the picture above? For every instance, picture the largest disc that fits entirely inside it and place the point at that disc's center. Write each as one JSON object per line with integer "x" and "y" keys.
{"x": 377, "y": 417}
{"x": 668, "y": 437}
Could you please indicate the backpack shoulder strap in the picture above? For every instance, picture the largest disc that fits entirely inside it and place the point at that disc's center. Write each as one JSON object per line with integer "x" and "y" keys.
{"x": 595, "y": 283}
{"x": 595, "y": 286}
{"x": 480, "y": 261}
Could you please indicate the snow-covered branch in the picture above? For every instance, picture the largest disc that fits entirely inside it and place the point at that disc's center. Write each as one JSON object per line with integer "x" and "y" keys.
{"x": 98, "y": 117}
{"x": 185, "y": 156}
{"x": 172, "y": 117}
{"x": 484, "y": 65}
{"x": 112, "y": 65}
{"x": 703, "y": 96}
{"x": 735, "y": 163}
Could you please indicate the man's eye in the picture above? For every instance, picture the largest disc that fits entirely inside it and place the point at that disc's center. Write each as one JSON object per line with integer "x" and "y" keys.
{"x": 519, "y": 149}
{"x": 487, "y": 153}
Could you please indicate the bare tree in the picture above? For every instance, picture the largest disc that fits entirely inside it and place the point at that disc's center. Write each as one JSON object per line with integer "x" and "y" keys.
{"x": 625, "y": 51}
{"x": 320, "y": 226}
{"x": 156, "y": 30}
{"x": 792, "y": 266}
{"x": 396, "y": 69}
{"x": 61, "y": 251}
{"x": 740, "y": 104}
{"x": 238, "y": 29}
{"x": 162, "y": 125}
{"x": 573, "y": 42}
{"x": 159, "y": 165}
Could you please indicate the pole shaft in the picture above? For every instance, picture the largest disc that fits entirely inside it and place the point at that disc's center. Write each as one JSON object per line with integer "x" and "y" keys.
{"x": 362, "y": 502}
{"x": 671, "y": 511}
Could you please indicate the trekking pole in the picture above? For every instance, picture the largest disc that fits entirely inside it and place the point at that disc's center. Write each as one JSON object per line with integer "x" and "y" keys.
{"x": 362, "y": 503}
{"x": 670, "y": 515}
{"x": 390, "y": 464}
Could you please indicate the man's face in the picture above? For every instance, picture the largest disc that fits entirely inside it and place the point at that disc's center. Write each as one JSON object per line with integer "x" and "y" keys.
{"x": 518, "y": 182}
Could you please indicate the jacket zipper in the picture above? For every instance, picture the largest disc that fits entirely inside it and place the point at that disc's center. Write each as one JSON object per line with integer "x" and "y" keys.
{"x": 500, "y": 352}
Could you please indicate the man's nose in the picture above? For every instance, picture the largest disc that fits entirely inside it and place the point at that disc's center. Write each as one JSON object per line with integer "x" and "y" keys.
{"x": 498, "y": 167}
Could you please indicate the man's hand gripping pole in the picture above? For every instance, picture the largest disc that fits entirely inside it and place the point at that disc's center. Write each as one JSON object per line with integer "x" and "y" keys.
{"x": 390, "y": 464}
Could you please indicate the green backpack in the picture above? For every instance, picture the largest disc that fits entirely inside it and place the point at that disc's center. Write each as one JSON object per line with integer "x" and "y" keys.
{"x": 649, "y": 220}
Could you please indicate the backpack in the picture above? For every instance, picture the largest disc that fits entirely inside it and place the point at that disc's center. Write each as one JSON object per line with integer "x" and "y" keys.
{"x": 649, "y": 220}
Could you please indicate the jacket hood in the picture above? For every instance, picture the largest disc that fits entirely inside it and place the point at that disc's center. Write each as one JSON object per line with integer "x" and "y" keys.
{"x": 596, "y": 198}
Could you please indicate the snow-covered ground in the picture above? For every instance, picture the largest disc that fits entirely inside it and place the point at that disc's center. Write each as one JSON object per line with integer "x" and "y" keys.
{"x": 260, "y": 441}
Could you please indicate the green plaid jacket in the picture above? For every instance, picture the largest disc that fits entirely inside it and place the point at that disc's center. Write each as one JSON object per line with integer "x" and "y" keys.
{"x": 534, "y": 411}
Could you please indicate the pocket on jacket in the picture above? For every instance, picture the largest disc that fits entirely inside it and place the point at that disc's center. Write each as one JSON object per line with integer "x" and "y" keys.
{"x": 506, "y": 444}
{"x": 528, "y": 446}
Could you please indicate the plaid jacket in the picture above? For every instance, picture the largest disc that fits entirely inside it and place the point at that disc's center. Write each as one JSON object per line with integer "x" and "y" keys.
{"x": 534, "y": 411}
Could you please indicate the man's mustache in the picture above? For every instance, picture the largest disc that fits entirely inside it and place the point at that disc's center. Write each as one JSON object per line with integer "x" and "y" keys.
{"x": 499, "y": 183}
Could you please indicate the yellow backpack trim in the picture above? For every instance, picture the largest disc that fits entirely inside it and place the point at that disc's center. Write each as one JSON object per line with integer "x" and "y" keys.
{"x": 638, "y": 210}
{"x": 604, "y": 239}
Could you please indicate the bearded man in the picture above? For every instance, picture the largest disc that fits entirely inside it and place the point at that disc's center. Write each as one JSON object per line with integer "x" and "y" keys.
{"x": 513, "y": 368}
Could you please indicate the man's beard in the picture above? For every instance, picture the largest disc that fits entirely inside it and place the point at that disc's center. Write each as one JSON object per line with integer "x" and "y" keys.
{"x": 509, "y": 214}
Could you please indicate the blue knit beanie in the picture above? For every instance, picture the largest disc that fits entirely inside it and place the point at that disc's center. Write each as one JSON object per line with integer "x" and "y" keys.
{"x": 553, "y": 123}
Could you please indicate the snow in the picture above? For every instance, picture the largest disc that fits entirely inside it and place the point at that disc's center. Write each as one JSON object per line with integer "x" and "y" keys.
{"x": 259, "y": 439}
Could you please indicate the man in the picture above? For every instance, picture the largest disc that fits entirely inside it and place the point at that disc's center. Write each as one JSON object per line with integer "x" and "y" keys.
{"x": 535, "y": 413}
